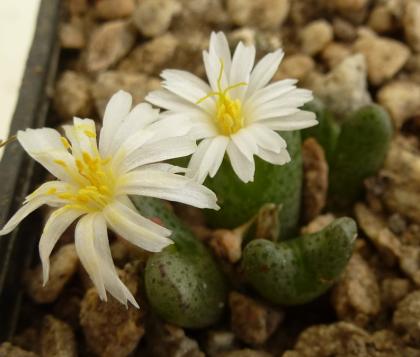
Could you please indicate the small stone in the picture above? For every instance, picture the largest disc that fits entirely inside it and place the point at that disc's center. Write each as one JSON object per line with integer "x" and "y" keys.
{"x": 296, "y": 66}
{"x": 410, "y": 263}
{"x": 73, "y": 97}
{"x": 108, "y": 83}
{"x": 411, "y": 22}
{"x": 109, "y": 43}
{"x": 218, "y": 342}
{"x": 252, "y": 321}
{"x": 402, "y": 99}
{"x": 315, "y": 179}
{"x": 382, "y": 20}
{"x": 265, "y": 14}
{"x": 349, "y": 5}
{"x": 356, "y": 296}
{"x": 318, "y": 223}
{"x": 227, "y": 244}
{"x": 153, "y": 17}
{"x": 110, "y": 328}
{"x": 72, "y": 34}
{"x": 246, "y": 352}
{"x": 152, "y": 57}
{"x": 246, "y": 35}
{"x": 384, "y": 57}
{"x": 338, "y": 339}
{"x": 77, "y": 7}
{"x": 114, "y": 9}
{"x": 344, "y": 88}
{"x": 393, "y": 290}
{"x": 57, "y": 338}
{"x": 402, "y": 170}
{"x": 335, "y": 53}
{"x": 316, "y": 36}
{"x": 407, "y": 316}
{"x": 8, "y": 350}
{"x": 63, "y": 265}
{"x": 169, "y": 340}
{"x": 377, "y": 231}
{"x": 344, "y": 30}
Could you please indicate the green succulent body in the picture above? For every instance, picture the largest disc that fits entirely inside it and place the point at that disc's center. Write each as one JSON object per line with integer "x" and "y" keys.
{"x": 326, "y": 132}
{"x": 272, "y": 184}
{"x": 298, "y": 270}
{"x": 183, "y": 283}
{"x": 360, "y": 152}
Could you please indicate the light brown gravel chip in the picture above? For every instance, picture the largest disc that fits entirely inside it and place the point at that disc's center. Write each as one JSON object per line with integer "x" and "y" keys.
{"x": 63, "y": 266}
{"x": 57, "y": 338}
{"x": 251, "y": 321}
{"x": 108, "y": 44}
{"x": 407, "y": 316}
{"x": 356, "y": 297}
{"x": 8, "y": 350}
{"x": 315, "y": 179}
{"x": 109, "y": 327}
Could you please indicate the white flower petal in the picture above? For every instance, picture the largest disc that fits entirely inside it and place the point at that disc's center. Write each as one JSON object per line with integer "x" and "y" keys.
{"x": 170, "y": 126}
{"x": 266, "y": 138}
{"x": 167, "y": 100}
{"x": 85, "y": 247}
{"x": 27, "y": 209}
{"x": 56, "y": 225}
{"x": 245, "y": 142}
{"x": 242, "y": 63}
{"x": 264, "y": 71}
{"x": 168, "y": 186}
{"x": 244, "y": 168}
{"x": 220, "y": 47}
{"x": 82, "y": 136}
{"x": 134, "y": 124}
{"x": 158, "y": 151}
{"x": 207, "y": 158}
{"x": 300, "y": 120}
{"x": 116, "y": 110}
{"x": 280, "y": 158}
{"x": 130, "y": 225}
{"x": 45, "y": 146}
{"x": 113, "y": 283}
{"x": 213, "y": 66}
{"x": 273, "y": 91}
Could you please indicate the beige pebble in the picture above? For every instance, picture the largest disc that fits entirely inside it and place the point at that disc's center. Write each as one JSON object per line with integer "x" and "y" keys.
{"x": 108, "y": 83}
{"x": 296, "y": 66}
{"x": 335, "y": 53}
{"x": 385, "y": 57}
{"x": 151, "y": 57}
{"x": 109, "y": 43}
{"x": 8, "y": 350}
{"x": 63, "y": 265}
{"x": 402, "y": 99}
{"x": 407, "y": 315}
{"x": 114, "y": 9}
{"x": 356, "y": 296}
{"x": 57, "y": 338}
{"x": 316, "y": 36}
{"x": 382, "y": 20}
{"x": 153, "y": 17}
{"x": 73, "y": 97}
{"x": 252, "y": 322}
{"x": 411, "y": 22}
{"x": 344, "y": 88}
{"x": 72, "y": 34}
{"x": 344, "y": 30}
{"x": 264, "y": 14}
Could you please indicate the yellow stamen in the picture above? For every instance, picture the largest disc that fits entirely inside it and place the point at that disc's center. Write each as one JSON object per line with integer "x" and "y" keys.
{"x": 65, "y": 142}
{"x": 61, "y": 163}
{"x": 229, "y": 117}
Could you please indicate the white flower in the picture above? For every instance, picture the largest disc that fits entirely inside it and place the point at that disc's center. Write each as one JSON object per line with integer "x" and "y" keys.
{"x": 238, "y": 112}
{"x": 94, "y": 183}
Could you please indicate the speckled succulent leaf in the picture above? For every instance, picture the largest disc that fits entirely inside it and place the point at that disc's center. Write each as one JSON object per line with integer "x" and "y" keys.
{"x": 360, "y": 152}
{"x": 272, "y": 184}
{"x": 326, "y": 132}
{"x": 299, "y": 270}
{"x": 183, "y": 284}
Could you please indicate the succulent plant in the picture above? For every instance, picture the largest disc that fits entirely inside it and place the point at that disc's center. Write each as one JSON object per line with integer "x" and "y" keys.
{"x": 183, "y": 283}
{"x": 298, "y": 270}
{"x": 272, "y": 184}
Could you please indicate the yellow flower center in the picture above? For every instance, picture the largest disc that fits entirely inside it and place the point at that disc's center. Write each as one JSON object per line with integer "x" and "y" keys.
{"x": 229, "y": 117}
{"x": 94, "y": 179}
